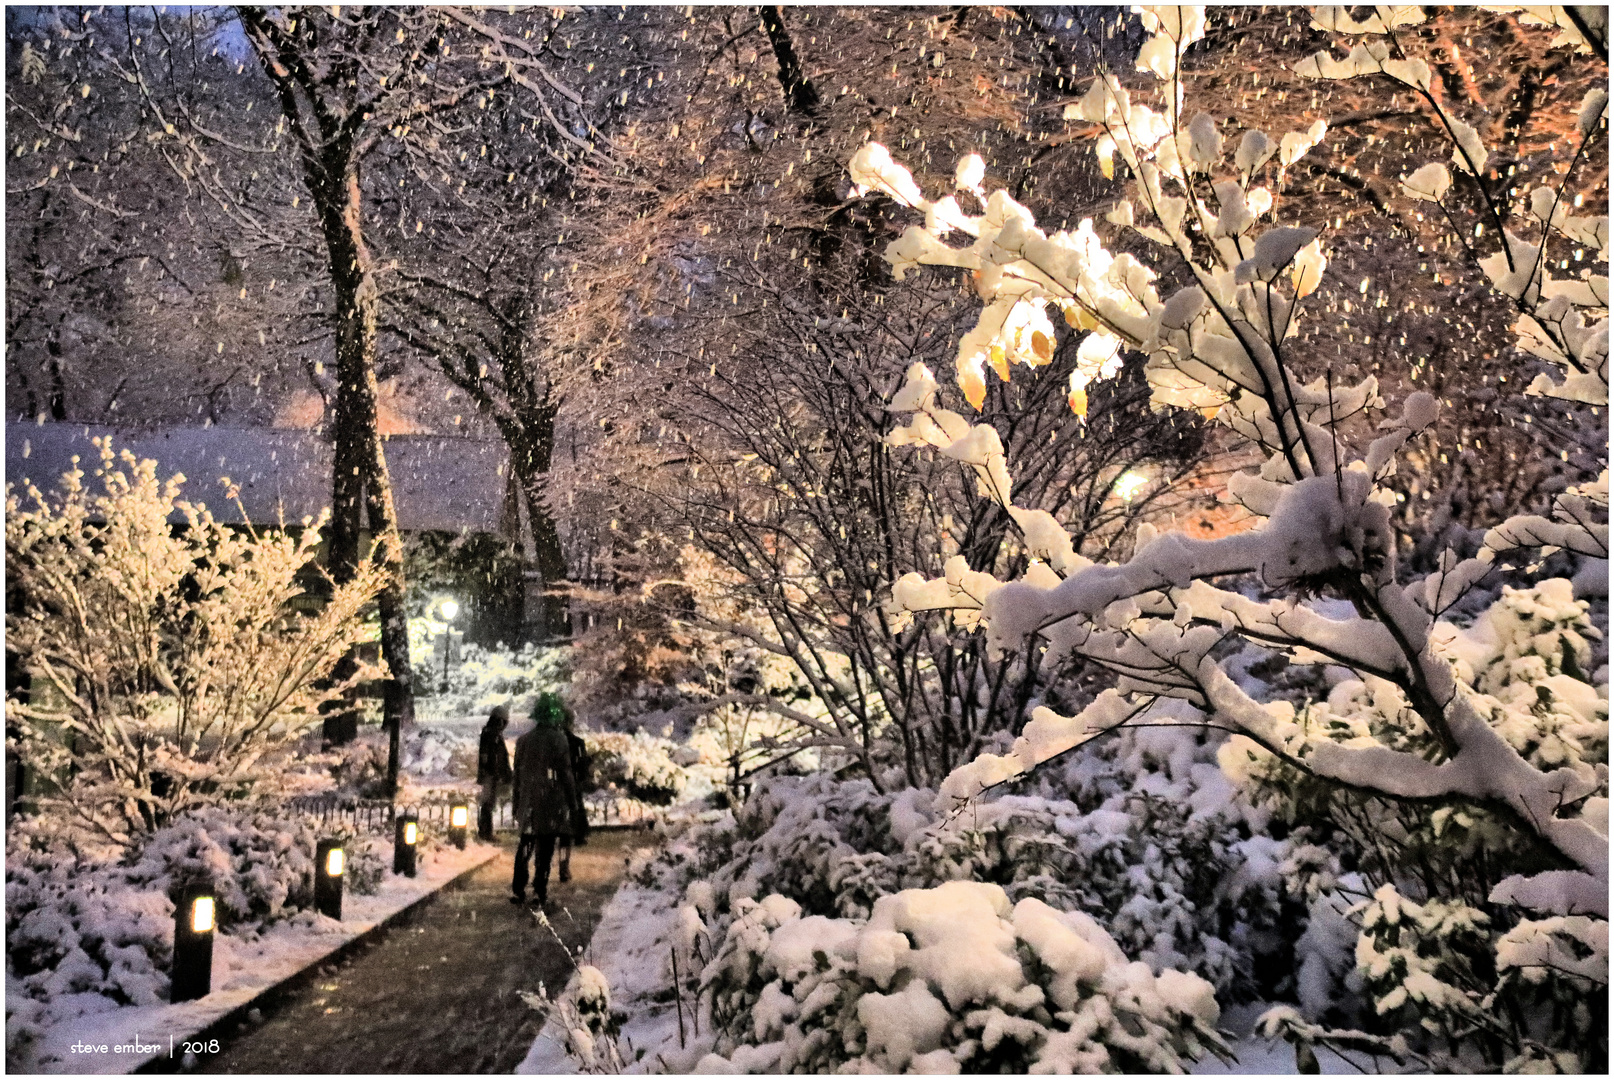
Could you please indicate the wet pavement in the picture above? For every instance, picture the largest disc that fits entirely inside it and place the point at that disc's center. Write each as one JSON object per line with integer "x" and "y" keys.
{"x": 437, "y": 992}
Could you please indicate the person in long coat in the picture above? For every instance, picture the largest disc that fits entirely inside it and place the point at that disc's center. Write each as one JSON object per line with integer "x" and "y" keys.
{"x": 492, "y": 768}
{"x": 545, "y": 792}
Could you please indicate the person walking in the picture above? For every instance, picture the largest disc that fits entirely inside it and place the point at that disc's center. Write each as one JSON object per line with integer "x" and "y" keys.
{"x": 578, "y": 750}
{"x": 545, "y": 792}
{"x": 492, "y": 768}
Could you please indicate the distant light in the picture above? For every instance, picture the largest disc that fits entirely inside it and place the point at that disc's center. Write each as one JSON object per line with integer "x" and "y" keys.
{"x": 459, "y": 817}
{"x": 450, "y": 609}
{"x": 411, "y": 832}
{"x": 1129, "y": 484}
{"x": 202, "y": 915}
{"x": 334, "y": 862}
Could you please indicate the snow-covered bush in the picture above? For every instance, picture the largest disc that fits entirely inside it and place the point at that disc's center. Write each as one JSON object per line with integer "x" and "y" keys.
{"x": 1142, "y": 832}
{"x": 640, "y": 766}
{"x": 951, "y": 979}
{"x": 483, "y": 676}
{"x": 1452, "y": 960}
{"x": 78, "y": 924}
{"x": 72, "y": 928}
{"x": 1507, "y": 752}
{"x": 168, "y": 665}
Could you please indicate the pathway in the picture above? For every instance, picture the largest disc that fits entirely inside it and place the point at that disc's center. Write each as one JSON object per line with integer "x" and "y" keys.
{"x": 437, "y": 992}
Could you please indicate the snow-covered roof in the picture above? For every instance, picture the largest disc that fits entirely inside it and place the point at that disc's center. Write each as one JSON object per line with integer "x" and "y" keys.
{"x": 439, "y": 482}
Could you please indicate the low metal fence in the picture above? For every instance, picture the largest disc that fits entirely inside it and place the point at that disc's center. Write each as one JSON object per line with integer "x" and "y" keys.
{"x": 377, "y": 815}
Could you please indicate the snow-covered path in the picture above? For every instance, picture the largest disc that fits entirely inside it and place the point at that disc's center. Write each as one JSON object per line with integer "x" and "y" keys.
{"x": 120, "y": 1040}
{"x": 437, "y": 993}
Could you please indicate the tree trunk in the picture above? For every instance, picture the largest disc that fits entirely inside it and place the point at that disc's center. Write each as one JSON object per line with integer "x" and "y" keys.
{"x": 799, "y": 90}
{"x": 360, "y": 476}
{"x": 546, "y": 558}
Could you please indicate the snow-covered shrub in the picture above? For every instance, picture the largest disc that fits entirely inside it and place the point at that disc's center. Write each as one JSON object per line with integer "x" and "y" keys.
{"x": 591, "y": 1026}
{"x": 822, "y": 843}
{"x": 168, "y": 665}
{"x": 260, "y": 863}
{"x": 359, "y": 768}
{"x": 640, "y": 766}
{"x": 1449, "y": 957}
{"x": 77, "y": 928}
{"x": 483, "y": 676}
{"x": 1142, "y": 832}
{"x": 80, "y": 924}
{"x": 951, "y": 979}
{"x": 1498, "y": 765}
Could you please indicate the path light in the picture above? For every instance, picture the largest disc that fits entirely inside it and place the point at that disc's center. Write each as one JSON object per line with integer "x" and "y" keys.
{"x": 459, "y": 820}
{"x": 329, "y": 862}
{"x": 406, "y": 836}
{"x": 195, "y": 920}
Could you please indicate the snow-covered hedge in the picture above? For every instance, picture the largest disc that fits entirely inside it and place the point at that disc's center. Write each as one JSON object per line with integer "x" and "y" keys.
{"x": 483, "y": 676}
{"x": 951, "y": 979}
{"x": 639, "y": 765}
{"x": 1141, "y": 831}
{"x": 1446, "y": 943}
{"x": 77, "y": 925}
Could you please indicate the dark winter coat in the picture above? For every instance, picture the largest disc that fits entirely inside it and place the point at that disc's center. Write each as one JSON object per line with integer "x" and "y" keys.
{"x": 578, "y": 750}
{"x": 493, "y": 757}
{"x": 545, "y": 791}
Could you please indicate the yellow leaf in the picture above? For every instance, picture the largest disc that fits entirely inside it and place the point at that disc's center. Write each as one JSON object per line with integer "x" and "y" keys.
{"x": 974, "y": 386}
{"x": 1209, "y": 412}
{"x": 1080, "y": 318}
{"x": 1000, "y": 363}
{"x": 1043, "y": 346}
{"x": 1078, "y": 403}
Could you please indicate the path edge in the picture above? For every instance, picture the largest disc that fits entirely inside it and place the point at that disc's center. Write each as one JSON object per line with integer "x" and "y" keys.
{"x": 225, "y": 1025}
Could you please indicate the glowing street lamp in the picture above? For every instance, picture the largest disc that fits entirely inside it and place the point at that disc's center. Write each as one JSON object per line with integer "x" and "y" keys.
{"x": 449, "y": 609}
{"x": 459, "y": 820}
{"x": 405, "y": 837}
{"x": 329, "y": 863}
{"x": 195, "y": 920}
{"x": 1129, "y": 484}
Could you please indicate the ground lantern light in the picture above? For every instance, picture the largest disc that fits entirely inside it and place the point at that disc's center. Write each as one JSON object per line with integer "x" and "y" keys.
{"x": 330, "y": 860}
{"x": 459, "y": 821}
{"x": 405, "y": 838}
{"x": 195, "y": 920}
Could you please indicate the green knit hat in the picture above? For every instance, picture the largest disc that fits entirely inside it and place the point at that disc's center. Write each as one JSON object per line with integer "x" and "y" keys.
{"x": 549, "y": 710}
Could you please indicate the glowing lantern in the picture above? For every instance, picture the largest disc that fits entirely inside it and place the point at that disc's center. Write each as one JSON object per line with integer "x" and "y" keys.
{"x": 329, "y": 862}
{"x": 406, "y": 836}
{"x": 195, "y": 920}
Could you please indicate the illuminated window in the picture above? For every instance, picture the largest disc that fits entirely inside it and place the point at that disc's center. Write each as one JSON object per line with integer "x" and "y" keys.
{"x": 334, "y": 862}
{"x": 410, "y": 832}
{"x": 458, "y": 817}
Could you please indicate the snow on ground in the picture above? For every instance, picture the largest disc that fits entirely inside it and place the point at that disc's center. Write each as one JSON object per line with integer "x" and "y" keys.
{"x": 630, "y": 947}
{"x": 126, "y": 1037}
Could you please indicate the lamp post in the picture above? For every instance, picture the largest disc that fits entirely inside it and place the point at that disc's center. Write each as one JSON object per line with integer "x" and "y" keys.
{"x": 195, "y": 919}
{"x": 459, "y": 821}
{"x": 405, "y": 836}
{"x": 329, "y": 862}
{"x": 449, "y": 608}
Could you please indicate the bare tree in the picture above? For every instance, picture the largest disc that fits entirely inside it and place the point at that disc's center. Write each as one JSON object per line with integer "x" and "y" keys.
{"x": 791, "y": 483}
